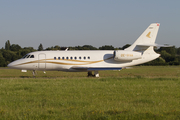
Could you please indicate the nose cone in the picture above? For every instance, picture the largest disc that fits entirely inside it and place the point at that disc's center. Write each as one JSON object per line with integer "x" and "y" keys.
{"x": 19, "y": 64}
{"x": 14, "y": 64}
{"x": 11, "y": 65}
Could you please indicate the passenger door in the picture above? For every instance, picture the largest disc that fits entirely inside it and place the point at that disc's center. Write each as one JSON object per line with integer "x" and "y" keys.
{"x": 42, "y": 61}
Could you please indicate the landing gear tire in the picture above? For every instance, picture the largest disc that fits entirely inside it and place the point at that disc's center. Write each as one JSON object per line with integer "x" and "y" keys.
{"x": 96, "y": 74}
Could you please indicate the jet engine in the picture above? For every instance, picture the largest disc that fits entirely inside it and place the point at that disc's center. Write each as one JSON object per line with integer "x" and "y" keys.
{"x": 122, "y": 55}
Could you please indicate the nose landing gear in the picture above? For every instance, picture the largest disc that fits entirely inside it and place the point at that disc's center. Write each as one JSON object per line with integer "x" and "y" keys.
{"x": 34, "y": 73}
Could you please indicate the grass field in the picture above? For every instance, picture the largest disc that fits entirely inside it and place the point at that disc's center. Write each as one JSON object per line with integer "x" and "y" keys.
{"x": 143, "y": 92}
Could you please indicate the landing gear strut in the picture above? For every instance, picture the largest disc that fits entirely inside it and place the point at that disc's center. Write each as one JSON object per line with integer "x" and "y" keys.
{"x": 34, "y": 73}
{"x": 90, "y": 74}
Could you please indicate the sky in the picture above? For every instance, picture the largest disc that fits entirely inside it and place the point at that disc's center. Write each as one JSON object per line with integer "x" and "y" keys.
{"x": 86, "y": 22}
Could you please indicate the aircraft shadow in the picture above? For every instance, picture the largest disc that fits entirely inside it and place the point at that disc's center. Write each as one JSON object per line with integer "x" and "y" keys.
{"x": 27, "y": 77}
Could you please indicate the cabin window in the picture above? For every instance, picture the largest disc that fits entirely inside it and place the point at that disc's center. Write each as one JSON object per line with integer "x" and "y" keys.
{"x": 32, "y": 56}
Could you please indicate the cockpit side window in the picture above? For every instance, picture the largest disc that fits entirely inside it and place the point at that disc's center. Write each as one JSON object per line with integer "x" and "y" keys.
{"x": 32, "y": 56}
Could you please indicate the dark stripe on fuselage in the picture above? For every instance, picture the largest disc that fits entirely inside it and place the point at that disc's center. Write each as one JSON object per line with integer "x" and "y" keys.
{"x": 94, "y": 69}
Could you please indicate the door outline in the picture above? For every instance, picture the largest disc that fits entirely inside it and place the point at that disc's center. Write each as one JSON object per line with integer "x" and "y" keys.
{"x": 42, "y": 61}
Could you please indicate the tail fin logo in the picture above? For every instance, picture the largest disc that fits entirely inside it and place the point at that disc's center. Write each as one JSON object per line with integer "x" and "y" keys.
{"x": 148, "y": 35}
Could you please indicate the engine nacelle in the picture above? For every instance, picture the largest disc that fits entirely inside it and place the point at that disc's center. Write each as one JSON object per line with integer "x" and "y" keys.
{"x": 121, "y": 55}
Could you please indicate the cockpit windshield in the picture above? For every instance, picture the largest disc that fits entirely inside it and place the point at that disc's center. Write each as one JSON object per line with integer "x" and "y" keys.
{"x": 28, "y": 56}
{"x": 24, "y": 56}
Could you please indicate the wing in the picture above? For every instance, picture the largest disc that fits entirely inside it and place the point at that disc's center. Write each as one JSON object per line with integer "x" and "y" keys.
{"x": 95, "y": 68}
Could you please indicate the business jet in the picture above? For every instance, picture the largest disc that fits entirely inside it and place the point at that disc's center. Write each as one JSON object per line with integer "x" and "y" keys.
{"x": 141, "y": 51}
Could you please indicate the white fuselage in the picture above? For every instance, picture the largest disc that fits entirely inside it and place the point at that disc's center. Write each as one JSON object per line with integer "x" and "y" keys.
{"x": 85, "y": 60}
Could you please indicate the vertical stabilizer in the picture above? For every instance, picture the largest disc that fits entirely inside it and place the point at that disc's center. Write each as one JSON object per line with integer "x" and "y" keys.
{"x": 147, "y": 38}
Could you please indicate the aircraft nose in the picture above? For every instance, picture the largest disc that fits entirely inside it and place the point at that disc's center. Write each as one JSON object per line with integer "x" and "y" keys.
{"x": 11, "y": 65}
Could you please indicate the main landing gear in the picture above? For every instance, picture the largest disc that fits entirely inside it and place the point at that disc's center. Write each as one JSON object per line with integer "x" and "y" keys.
{"x": 96, "y": 74}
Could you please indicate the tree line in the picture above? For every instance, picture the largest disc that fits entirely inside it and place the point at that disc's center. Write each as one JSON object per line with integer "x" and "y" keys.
{"x": 169, "y": 55}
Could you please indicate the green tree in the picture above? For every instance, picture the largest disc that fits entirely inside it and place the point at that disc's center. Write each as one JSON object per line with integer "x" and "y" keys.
{"x": 89, "y": 47}
{"x": 167, "y": 56}
{"x": 15, "y": 47}
{"x": 9, "y": 56}
{"x": 158, "y": 61}
{"x": 107, "y": 47}
{"x": 7, "y": 45}
{"x": 40, "y": 48}
{"x": 2, "y": 61}
{"x": 57, "y": 47}
{"x": 178, "y": 51}
{"x": 50, "y": 48}
{"x": 31, "y": 49}
{"x": 126, "y": 46}
{"x": 170, "y": 50}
